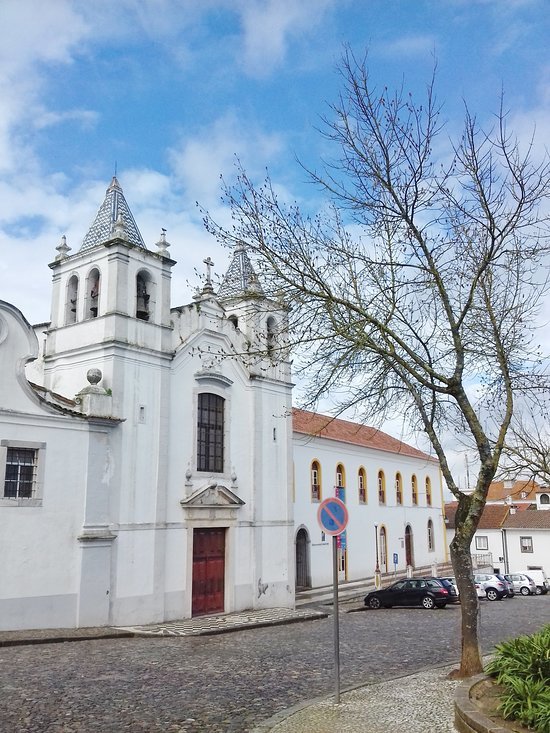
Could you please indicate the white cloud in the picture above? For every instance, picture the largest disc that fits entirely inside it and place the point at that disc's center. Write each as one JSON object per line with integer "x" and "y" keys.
{"x": 268, "y": 26}
{"x": 407, "y": 46}
{"x": 46, "y": 118}
{"x": 199, "y": 161}
{"x": 30, "y": 38}
{"x": 29, "y": 34}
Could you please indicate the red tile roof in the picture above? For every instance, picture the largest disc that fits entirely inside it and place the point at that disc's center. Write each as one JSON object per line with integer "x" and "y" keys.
{"x": 493, "y": 515}
{"x": 331, "y": 428}
{"x": 498, "y": 491}
{"x": 534, "y": 519}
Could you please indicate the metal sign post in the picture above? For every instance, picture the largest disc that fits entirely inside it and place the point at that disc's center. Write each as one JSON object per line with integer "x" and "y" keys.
{"x": 336, "y": 619}
{"x": 332, "y": 516}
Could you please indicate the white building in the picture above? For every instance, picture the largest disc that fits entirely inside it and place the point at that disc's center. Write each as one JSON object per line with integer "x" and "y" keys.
{"x": 147, "y": 450}
{"x": 392, "y": 491}
{"x": 508, "y": 539}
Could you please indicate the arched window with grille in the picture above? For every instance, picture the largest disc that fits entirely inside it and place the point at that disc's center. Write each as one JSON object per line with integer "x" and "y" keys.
{"x": 398, "y": 489}
{"x": 428, "y": 491}
{"x": 362, "y": 485}
{"x": 381, "y": 487}
{"x": 315, "y": 472}
{"x": 340, "y": 482}
{"x": 414, "y": 490}
{"x": 340, "y": 476}
{"x": 431, "y": 541}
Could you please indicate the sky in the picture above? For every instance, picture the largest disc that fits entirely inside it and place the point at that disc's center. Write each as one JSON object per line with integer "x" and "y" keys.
{"x": 168, "y": 93}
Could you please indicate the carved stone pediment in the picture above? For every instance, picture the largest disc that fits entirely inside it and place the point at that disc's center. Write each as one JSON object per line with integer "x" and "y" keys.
{"x": 212, "y": 496}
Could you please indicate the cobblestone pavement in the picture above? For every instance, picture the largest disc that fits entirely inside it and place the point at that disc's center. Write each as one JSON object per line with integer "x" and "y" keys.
{"x": 231, "y": 682}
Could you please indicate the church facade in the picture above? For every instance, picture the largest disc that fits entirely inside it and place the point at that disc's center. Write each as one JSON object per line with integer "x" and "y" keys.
{"x": 153, "y": 467}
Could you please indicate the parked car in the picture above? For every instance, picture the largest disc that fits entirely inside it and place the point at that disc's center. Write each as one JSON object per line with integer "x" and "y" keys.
{"x": 451, "y": 587}
{"x": 540, "y": 578}
{"x": 480, "y": 592}
{"x": 508, "y": 583}
{"x": 425, "y": 592}
{"x": 522, "y": 583}
{"x": 493, "y": 588}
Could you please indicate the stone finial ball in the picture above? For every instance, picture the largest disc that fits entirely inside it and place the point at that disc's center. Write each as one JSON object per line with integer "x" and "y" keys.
{"x": 94, "y": 376}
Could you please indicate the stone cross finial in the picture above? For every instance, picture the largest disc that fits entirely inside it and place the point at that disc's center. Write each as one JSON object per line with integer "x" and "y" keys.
{"x": 209, "y": 265}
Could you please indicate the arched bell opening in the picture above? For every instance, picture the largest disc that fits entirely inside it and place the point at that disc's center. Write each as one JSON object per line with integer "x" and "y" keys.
{"x": 71, "y": 303}
{"x": 143, "y": 295}
{"x": 92, "y": 293}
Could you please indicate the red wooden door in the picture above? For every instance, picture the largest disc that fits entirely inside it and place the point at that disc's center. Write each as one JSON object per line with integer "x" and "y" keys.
{"x": 208, "y": 571}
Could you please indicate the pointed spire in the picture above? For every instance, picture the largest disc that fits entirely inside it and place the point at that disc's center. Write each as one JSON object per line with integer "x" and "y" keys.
{"x": 113, "y": 220}
{"x": 240, "y": 278}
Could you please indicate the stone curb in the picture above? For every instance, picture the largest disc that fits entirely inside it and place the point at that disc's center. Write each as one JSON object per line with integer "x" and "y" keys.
{"x": 468, "y": 718}
{"x": 57, "y": 636}
{"x": 61, "y": 639}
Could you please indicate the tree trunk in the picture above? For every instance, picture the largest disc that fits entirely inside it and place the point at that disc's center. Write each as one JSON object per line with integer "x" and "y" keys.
{"x": 470, "y": 661}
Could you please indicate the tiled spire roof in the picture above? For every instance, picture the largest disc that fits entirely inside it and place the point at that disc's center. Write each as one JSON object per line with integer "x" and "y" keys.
{"x": 113, "y": 210}
{"x": 240, "y": 277}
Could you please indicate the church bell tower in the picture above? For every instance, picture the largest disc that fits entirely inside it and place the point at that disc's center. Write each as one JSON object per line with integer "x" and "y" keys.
{"x": 110, "y": 300}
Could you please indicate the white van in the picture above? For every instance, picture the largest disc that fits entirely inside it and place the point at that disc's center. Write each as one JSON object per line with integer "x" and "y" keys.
{"x": 540, "y": 578}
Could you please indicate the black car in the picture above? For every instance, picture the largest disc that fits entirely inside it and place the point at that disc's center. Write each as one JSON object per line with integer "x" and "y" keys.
{"x": 425, "y": 592}
{"x": 451, "y": 587}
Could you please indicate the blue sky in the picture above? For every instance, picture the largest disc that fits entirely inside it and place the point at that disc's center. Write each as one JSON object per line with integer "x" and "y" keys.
{"x": 170, "y": 91}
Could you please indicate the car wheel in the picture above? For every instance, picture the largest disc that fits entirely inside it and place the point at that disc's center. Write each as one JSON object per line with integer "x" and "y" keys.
{"x": 374, "y": 602}
{"x": 491, "y": 594}
{"x": 428, "y": 602}
{"x": 538, "y": 592}
{"x": 524, "y": 590}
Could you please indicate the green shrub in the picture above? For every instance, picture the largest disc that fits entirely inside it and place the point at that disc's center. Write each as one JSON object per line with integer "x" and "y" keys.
{"x": 522, "y": 667}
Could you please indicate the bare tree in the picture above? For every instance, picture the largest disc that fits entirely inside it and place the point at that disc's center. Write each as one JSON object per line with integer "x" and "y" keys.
{"x": 527, "y": 450}
{"x": 415, "y": 290}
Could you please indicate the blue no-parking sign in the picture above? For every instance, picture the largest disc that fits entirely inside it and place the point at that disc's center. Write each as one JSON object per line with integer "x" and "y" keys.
{"x": 332, "y": 516}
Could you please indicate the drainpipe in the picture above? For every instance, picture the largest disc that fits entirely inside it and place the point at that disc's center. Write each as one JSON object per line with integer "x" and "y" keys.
{"x": 505, "y": 551}
{"x": 377, "y": 574}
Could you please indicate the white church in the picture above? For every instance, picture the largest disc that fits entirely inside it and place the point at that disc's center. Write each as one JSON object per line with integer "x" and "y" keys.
{"x": 153, "y": 466}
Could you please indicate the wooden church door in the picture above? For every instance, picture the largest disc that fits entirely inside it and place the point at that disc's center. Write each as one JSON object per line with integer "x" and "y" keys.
{"x": 208, "y": 571}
